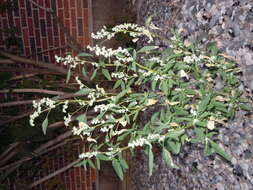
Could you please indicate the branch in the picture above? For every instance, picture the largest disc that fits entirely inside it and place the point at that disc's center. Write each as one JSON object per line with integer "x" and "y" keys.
{"x": 34, "y": 62}
{"x": 16, "y": 118}
{"x": 43, "y": 8}
{"x": 21, "y": 161}
{"x": 53, "y": 174}
{"x": 28, "y": 90}
{"x": 28, "y": 70}
{"x": 17, "y": 103}
{"x": 11, "y": 147}
{"x": 53, "y": 141}
{"x": 48, "y": 50}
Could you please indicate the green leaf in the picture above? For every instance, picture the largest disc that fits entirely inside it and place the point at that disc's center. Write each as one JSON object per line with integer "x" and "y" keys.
{"x": 98, "y": 163}
{"x": 82, "y": 118}
{"x": 153, "y": 85}
{"x": 84, "y": 55}
{"x": 102, "y": 157}
{"x": 174, "y": 146}
{"x": 84, "y": 72}
{"x": 176, "y": 133}
{"x": 117, "y": 84}
{"x": 123, "y": 164}
{"x": 91, "y": 163}
{"x": 203, "y": 104}
{"x": 44, "y": 125}
{"x": 106, "y": 74}
{"x": 121, "y": 94}
{"x": 245, "y": 107}
{"x": 117, "y": 167}
{"x": 94, "y": 74}
{"x": 168, "y": 159}
{"x": 68, "y": 75}
{"x": 147, "y": 49}
{"x": 150, "y": 161}
{"x": 84, "y": 91}
{"x": 164, "y": 87}
{"x": 219, "y": 150}
{"x": 207, "y": 150}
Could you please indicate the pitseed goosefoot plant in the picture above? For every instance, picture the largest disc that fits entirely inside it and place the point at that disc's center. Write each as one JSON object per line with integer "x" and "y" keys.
{"x": 194, "y": 89}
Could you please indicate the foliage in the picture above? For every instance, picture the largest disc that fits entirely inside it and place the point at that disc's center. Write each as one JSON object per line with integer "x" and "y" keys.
{"x": 189, "y": 89}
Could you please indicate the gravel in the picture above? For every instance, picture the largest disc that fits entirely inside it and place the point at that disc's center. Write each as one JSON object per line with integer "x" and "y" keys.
{"x": 230, "y": 24}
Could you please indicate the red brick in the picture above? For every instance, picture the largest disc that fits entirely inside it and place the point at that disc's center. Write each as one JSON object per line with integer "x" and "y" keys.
{"x": 56, "y": 42}
{"x": 36, "y": 18}
{"x": 52, "y": 59}
{"x": 41, "y": 3}
{"x": 66, "y": 8}
{"x": 73, "y": 17}
{"x": 56, "y": 29}
{"x": 72, "y": 4}
{"x": 37, "y": 37}
{"x": 10, "y": 18}
{"x": 22, "y": 3}
{"x": 79, "y": 9}
{"x": 50, "y": 36}
{"x": 18, "y": 25}
{"x": 93, "y": 175}
{"x": 44, "y": 44}
{"x": 73, "y": 181}
{"x": 49, "y": 19}
{"x": 5, "y": 22}
{"x": 85, "y": 3}
{"x": 87, "y": 36}
{"x": 86, "y": 17}
{"x": 60, "y": 4}
{"x": 80, "y": 41}
{"x": 74, "y": 33}
{"x": 47, "y": 3}
{"x": 62, "y": 39}
{"x": 67, "y": 24}
{"x": 23, "y": 17}
{"x": 27, "y": 51}
{"x": 61, "y": 15}
{"x": 30, "y": 26}
{"x": 41, "y": 13}
{"x": 26, "y": 36}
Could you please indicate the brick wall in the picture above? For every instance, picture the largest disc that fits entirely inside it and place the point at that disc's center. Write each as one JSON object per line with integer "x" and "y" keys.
{"x": 40, "y": 35}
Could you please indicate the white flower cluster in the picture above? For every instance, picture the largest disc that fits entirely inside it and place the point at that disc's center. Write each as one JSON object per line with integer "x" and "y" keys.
{"x": 65, "y": 106}
{"x": 82, "y": 129}
{"x": 119, "y": 75}
{"x": 105, "y": 129}
{"x": 103, "y": 33}
{"x": 192, "y": 59}
{"x": 138, "y": 142}
{"x": 133, "y": 29}
{"x": 49, "y": 103}
{"x": 160, "y": 77}
{"x": 88, "y": 155}
{"x": 125, "y": 56}
{"x": 68, "y": 60}
{"x": 95, "y": 94}
{"x": 103, "y": 107}
{"x": 67, "y": 120}
{"x": 157, "y": 60}
{"x": 152, "y": 137}
{"x": 81, "y": 85}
